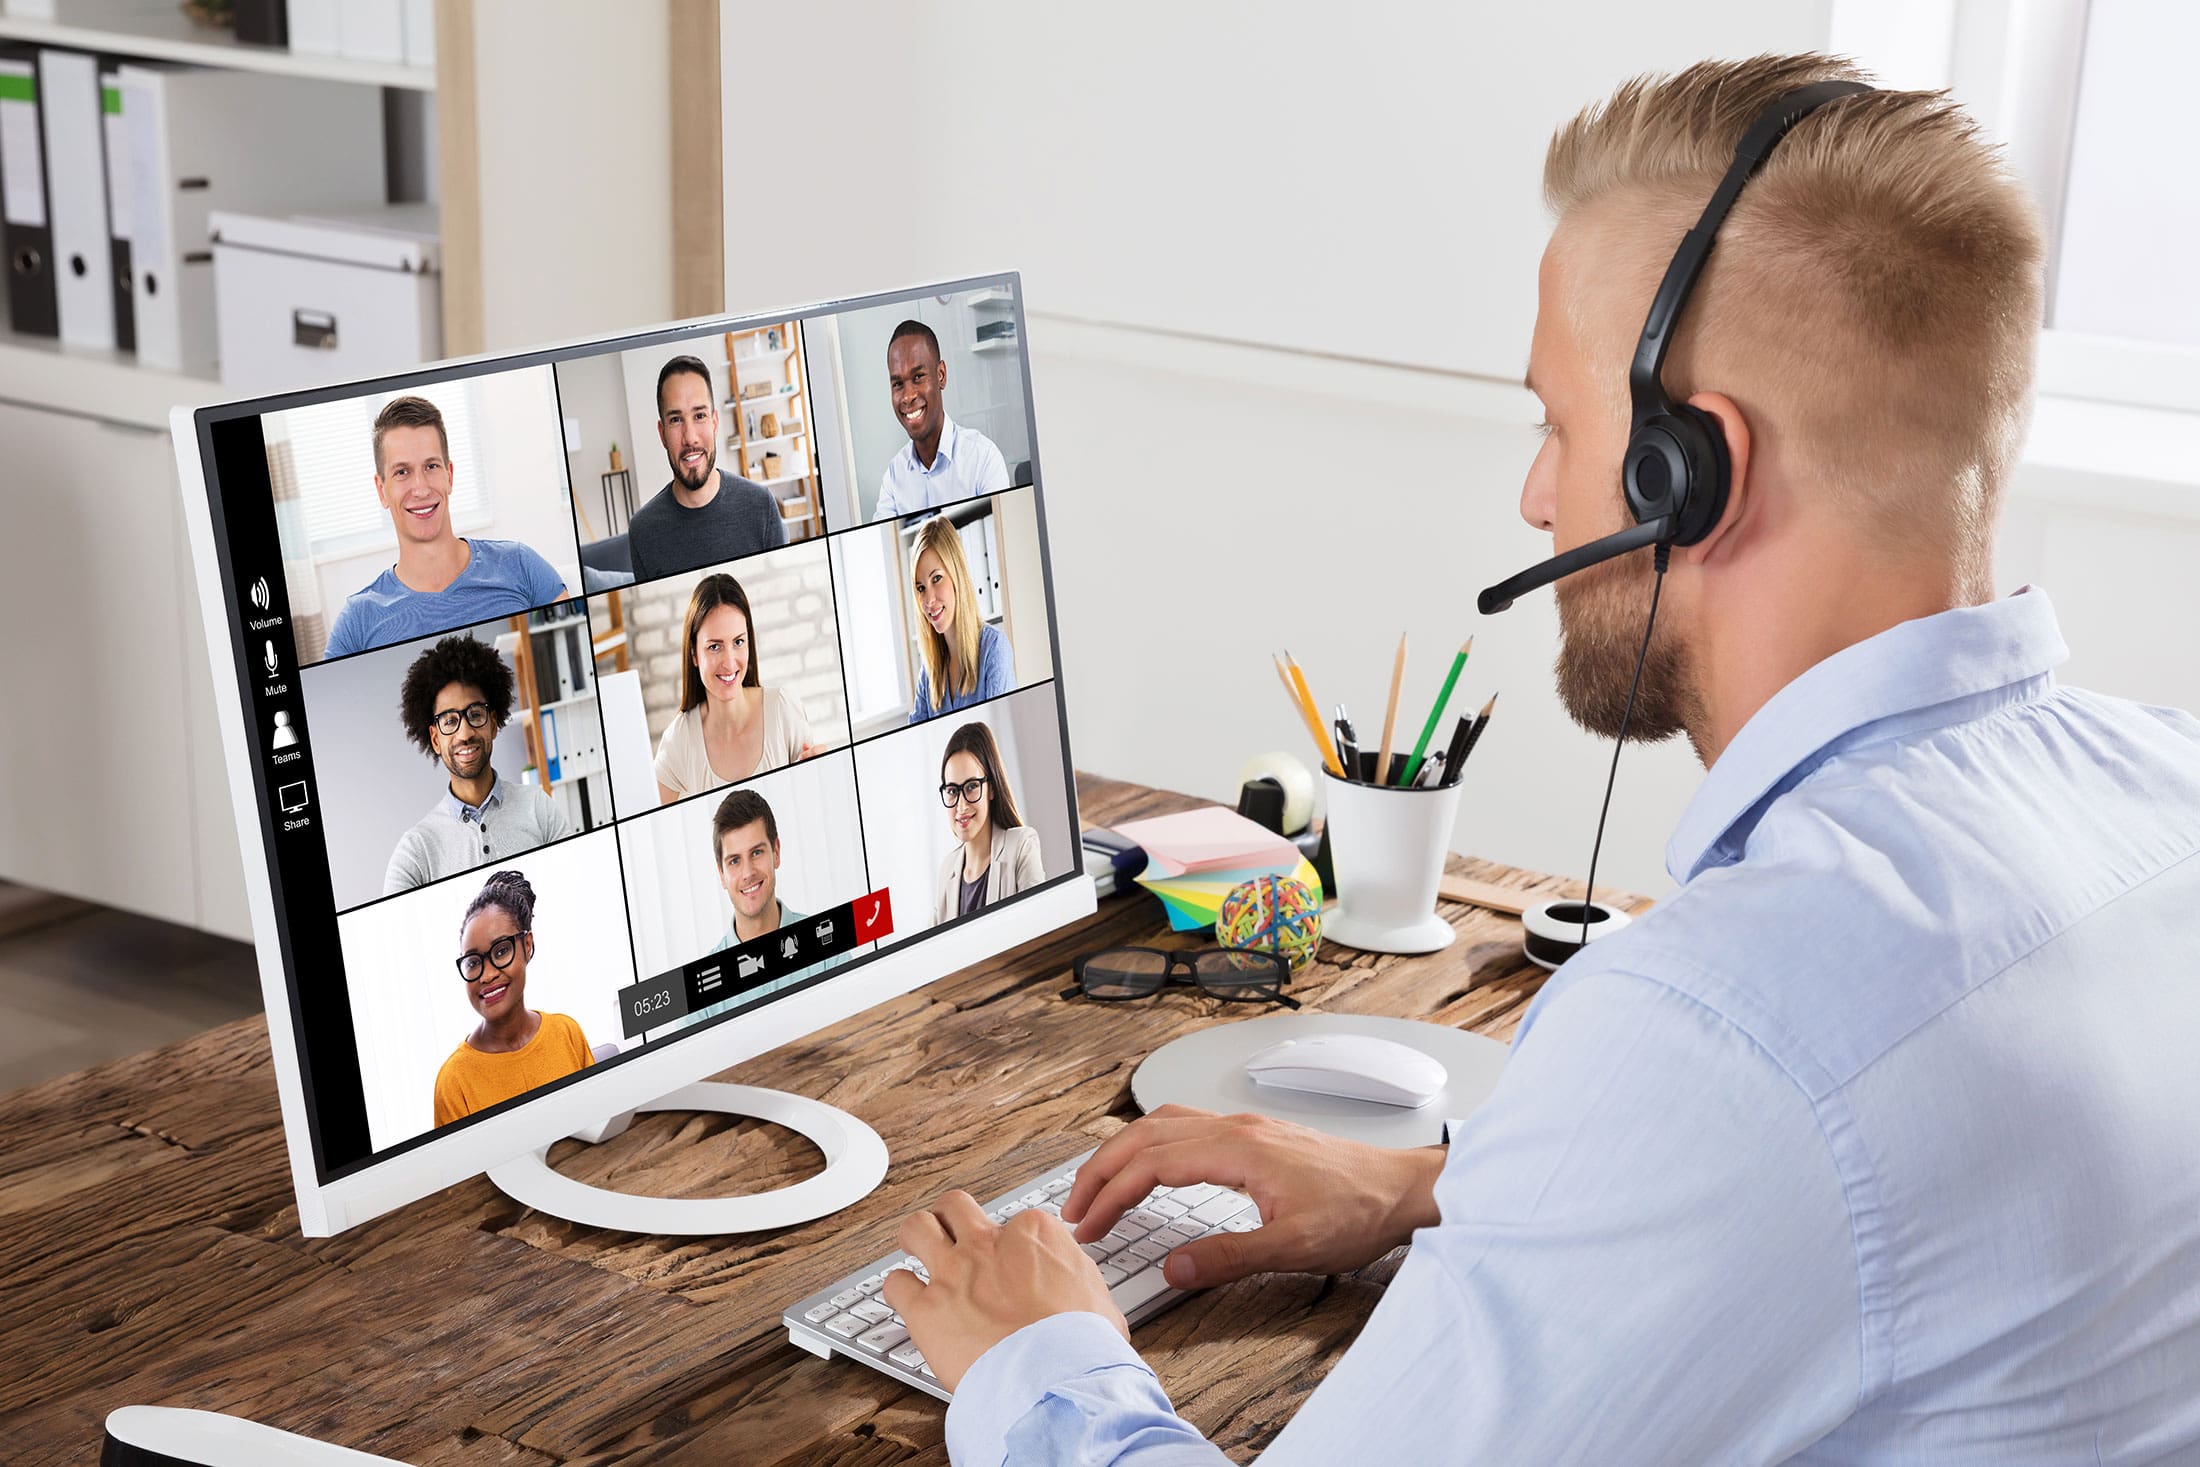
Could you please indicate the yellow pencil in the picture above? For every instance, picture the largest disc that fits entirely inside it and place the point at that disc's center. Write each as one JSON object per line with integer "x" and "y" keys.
{"x": 1294, "y": 682}
{"x": 1390, "y": 714}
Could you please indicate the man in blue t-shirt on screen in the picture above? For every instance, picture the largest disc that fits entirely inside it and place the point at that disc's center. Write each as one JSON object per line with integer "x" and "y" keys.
{"x": 440, "y": 581}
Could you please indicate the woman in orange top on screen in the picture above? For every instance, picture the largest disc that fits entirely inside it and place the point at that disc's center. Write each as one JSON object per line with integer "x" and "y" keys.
{"x": 513, "y": 1049}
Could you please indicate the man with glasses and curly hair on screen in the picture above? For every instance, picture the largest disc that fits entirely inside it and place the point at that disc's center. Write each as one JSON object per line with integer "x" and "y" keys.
{"x": 457, "y": 696}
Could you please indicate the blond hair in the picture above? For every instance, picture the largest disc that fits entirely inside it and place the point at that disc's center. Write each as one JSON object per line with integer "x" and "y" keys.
{"x": 1874, "y": 299}
{"x": 939, "y": 535}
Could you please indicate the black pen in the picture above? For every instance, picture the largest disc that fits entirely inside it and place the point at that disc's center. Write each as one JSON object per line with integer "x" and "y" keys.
{"x": 1348, "y": 745}
{"x": 1455, "y": 751}
{"x": 1481, "y": 722}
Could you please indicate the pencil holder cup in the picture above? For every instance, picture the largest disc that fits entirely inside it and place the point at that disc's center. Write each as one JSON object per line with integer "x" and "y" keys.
{"x": 1387, "y": 846}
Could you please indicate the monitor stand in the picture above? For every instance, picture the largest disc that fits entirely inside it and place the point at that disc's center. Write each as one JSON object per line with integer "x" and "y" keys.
{"x": 855, "y": 1162}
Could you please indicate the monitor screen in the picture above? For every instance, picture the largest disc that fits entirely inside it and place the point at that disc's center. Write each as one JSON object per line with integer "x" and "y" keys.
{"x": 603, "y": 695}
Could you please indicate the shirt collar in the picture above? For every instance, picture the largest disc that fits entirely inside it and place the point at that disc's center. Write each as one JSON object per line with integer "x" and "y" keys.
{"x": 943, "y": 456}
{"x": 466, "y": 814}
{"x": 1921, "y": 674}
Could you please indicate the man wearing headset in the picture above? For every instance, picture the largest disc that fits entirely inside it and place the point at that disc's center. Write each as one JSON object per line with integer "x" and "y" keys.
{"x": 1873, "y": 1142}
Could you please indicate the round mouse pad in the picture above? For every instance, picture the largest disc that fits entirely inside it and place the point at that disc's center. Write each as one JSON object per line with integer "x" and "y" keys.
{"x": 1206, "y": 1068}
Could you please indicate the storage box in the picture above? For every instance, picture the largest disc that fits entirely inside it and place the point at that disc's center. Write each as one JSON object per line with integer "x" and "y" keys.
{"x": 771, "y": 465}
{"x": 321, "y": 298}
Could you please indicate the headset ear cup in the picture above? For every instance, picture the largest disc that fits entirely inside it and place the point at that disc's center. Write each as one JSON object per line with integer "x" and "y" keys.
{"x": 1703, "y": 442}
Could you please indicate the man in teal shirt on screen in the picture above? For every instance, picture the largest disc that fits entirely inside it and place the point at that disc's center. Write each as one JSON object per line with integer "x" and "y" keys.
{"x": 1876, "y": 1140}
{"x": 744, "y": 839}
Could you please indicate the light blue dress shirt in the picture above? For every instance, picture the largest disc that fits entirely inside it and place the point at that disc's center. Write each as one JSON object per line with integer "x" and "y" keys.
{"x": 1878, "y": 1141}
{"x": 966, "y": 464}
{"x": 996, "y": 675}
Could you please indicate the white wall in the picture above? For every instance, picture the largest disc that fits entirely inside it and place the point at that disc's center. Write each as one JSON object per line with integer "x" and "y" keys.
{"x": 1312, "y": 189}
{"x": 1280, "y": 174}
{"x": 574, "y": 193}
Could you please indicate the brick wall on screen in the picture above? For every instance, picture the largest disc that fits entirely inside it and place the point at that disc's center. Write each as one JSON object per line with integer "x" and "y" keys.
{"x": 799, "y": 641}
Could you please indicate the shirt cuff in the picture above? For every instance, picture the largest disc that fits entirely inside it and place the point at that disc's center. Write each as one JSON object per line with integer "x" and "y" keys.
{"x": 1002, "y": 1386}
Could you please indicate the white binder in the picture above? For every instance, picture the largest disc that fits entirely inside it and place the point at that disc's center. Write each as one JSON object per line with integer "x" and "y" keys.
{"x": 76, "y": 196}
{"x": 202, "y": 140}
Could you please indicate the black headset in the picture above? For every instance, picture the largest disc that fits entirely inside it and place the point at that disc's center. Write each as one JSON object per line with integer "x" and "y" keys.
{"x": 1676, "y": 471}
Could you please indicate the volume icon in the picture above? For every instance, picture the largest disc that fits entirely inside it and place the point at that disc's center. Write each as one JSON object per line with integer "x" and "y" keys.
{"x": 259, "y": 595}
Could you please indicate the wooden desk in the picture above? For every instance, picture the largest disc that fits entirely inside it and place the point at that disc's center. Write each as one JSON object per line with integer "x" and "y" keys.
{"x": 150, "y": 1254}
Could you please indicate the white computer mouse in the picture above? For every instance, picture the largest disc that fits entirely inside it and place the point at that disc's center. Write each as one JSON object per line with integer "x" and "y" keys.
{"x": 1354, "y": 1066}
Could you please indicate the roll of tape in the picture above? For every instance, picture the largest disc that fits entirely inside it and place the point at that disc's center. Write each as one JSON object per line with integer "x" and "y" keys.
{"x": 1554, "y": 929}
{"x": 1297, "y": 781}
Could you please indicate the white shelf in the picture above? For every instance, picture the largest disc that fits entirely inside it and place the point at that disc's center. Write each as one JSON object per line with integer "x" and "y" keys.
{"x": 38, "y": 371}
{"x": 761, "y": 360}
{"x": 158, "y": 30}
{"x": 756, "y": 443}
{"x": 997, "y": 343}
{"x": 774, "y": 483}
{"x": 998, "y": 296}
{"x": 786, "y": 389}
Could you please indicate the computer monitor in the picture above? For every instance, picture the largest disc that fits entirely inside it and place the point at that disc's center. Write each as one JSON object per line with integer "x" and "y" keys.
{"x": 601, "y": 716}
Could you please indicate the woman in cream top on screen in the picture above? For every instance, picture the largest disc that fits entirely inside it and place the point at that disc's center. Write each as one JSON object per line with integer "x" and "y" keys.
{"x": 965, "y": 661}
{"x": 514, "y": 1048}
{"x": 730, "y": 725}
{"x": 996, "y": 855}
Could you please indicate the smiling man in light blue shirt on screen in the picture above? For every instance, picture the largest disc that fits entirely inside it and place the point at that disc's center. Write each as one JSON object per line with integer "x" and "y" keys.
{"x": 1879, "y": 1139}
{"x": 943, "y": 462}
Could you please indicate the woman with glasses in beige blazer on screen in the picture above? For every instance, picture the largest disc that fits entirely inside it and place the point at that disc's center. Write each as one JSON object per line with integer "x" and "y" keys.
{"x": 995, "y": 855}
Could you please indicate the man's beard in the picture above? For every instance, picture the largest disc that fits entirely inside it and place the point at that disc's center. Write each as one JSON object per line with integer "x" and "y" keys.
{"x": 702, "y": 474}
{"x": 1600, "y": 618}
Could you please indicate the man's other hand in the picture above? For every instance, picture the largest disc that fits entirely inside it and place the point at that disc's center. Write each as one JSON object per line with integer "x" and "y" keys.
{"x": 1326, "y": 1205}
{"x": 988, "y": 1281}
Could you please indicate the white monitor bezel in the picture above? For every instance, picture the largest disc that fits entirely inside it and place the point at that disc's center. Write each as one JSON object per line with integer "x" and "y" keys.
{"x": 325, "y": 1208}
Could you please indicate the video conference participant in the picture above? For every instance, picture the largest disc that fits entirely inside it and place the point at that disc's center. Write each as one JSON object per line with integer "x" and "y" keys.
{"x": 965, "y": 660}
{"x": 705, "y": 515}
{"x": 455, "y": 699}
{"x": 440, "y": 580}
{"x": 944, "y": 461}
{"x": 730, "y": 725}
{"x": 514, "y": 1048}
{"x": 996, "y": 855}
{"x": 1869, "y": 1144}
{"x": 744, "y": 846}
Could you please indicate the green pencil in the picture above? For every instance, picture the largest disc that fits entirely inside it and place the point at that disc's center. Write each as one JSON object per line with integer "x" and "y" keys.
{"x": 1436, "y": 714}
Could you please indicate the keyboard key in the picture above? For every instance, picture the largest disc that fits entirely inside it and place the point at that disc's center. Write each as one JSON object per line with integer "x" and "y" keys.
{"x": 1147, "y": 1219}
{"x": 1122, "y": 1235}
{"x": 1010, "y": 1209}
{"x": 1176, "y": 1235}
{"x": 1166, "y": 1207}
{"x": 873, "y": 1310}
{"x": 1194, "y": 1196}
{"x": 1244, "y": 1222}
{"x": 885, "y": 1337}
{"x": 1218, "y": 1209}
{"x": 1138, "y": 1289}
{"x": 847, "y": 1326}
{"x": 822, "y": 1312}
{"x": 1097, "y": 1252}
{"x": 1111, "y": 1275}
{"x": 1056, "y": 1187}
{"x": 846, "y": 1297}
{"x": 908, "y": 1356}
{"x": 1034, "y": 1197}
{"x": 1050, "y": 1207}
{"x": 1146, "y": 1253}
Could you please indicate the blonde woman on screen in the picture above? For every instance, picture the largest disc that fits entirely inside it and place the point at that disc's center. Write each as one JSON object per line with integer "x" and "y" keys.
{"x": 996, "y": 855}
{"x": 730, "y": 725}
{"x": 965, "y": 661}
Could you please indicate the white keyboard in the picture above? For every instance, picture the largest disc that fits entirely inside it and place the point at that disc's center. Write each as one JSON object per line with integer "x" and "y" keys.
{"x": 851, "y": 1317}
